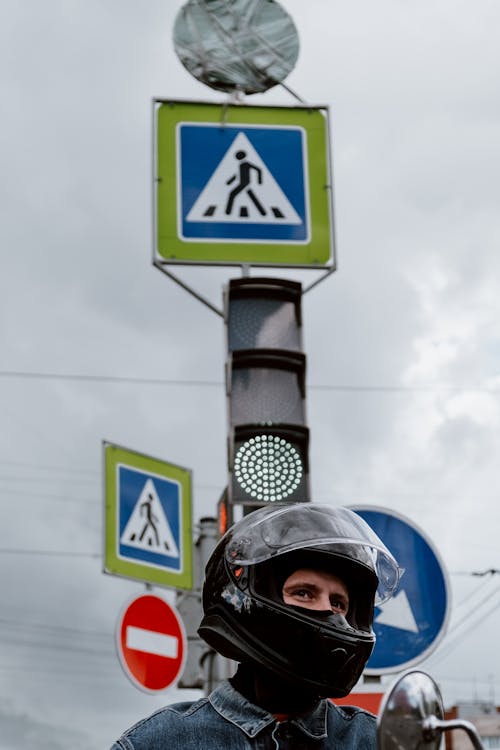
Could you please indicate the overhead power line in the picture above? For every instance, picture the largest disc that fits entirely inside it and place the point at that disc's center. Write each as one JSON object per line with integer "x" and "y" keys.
{"x": 107, "y": 378}
{"x": 47, "y": 552}
{"x": 467, "y": 616}
{"x": 477, "y": 617}
{"x": 129, "y": 380}
{"x": 19, "y": 624}
{"x": 55, "y": 498}
{"x": 45, "y": 467}
{"x": 488, "y": 572}
{"x": 24, "y": 478}
{"x": 458, "y": 639}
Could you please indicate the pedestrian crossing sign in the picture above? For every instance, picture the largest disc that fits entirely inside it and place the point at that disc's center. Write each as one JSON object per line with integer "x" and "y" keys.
{"x": 241, "y": 199}
{"x": 148, "y": 518}
{"x": 243, "y": 184}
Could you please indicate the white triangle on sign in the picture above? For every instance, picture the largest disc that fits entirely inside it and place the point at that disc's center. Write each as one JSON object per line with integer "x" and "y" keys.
{"x": 148, "y": 527}
{"x": 397, "y": 613}
{"x": 242, "y": 190}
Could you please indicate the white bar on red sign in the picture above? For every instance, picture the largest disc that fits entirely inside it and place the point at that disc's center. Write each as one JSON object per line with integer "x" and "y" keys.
{"x": 151, "y": 642}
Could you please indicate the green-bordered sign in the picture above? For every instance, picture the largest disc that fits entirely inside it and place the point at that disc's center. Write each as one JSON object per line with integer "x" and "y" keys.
{"x": 243, "y": 184}
{"x": 148, "y": 533}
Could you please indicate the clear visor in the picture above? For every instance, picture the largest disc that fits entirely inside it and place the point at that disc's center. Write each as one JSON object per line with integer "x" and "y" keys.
{"x": 275, "y": 531}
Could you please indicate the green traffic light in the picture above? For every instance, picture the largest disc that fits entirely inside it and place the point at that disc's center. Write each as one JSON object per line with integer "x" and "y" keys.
{"x": 268, "y": 468}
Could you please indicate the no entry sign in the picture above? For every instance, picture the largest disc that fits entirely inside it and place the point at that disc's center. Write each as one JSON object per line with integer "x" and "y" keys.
{"x": 151, "y": 643}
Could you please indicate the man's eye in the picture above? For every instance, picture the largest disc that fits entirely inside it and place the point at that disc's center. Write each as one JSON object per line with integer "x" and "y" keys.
{"x": 339, "y": 605}
{"x": 302, "y": 593}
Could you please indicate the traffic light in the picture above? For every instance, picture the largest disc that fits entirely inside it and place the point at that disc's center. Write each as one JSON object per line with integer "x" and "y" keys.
{"x": 268, "y": 440}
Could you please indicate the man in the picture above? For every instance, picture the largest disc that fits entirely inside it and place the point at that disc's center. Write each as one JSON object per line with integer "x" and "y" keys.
{"x": 289, "y": 594}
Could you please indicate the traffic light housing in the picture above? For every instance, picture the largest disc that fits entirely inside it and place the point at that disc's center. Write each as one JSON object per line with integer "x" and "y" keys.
{"x": 268, "y": 439}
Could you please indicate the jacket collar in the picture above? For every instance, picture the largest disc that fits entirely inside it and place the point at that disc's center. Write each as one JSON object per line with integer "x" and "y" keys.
{"x": 251, "y": 719}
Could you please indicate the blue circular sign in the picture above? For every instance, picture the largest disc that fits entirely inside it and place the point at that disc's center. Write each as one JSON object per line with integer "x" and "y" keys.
{"x": 410, "y": 625}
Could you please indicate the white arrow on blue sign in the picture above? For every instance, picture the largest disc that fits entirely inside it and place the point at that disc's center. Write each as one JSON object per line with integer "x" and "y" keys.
{"x": 411, "y": 624}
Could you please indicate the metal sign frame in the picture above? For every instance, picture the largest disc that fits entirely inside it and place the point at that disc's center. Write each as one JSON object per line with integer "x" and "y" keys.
{"x": 146, "y": 565}
{"x": 317, "y": 253}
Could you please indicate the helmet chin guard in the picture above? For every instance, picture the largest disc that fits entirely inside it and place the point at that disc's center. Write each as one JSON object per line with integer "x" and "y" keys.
{"x": 246, "y": 619}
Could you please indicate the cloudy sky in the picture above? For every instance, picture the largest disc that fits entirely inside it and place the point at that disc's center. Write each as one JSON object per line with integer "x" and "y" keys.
{"x": 402, "y": 341}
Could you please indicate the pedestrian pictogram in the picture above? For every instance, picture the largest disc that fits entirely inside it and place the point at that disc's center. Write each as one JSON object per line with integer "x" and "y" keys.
{"x": 148, "y": 519}
{"x": 148, "y": 527}
{"x": 243, "y": 184}
{"x": 151, "y": 643}
{"x": 242, "y": 189}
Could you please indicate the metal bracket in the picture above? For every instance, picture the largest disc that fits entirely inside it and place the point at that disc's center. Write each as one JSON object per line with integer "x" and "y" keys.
{"x": 189, "y": 289}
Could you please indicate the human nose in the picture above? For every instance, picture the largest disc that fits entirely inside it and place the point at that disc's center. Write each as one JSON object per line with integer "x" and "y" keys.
{"x": 324, "y": 602}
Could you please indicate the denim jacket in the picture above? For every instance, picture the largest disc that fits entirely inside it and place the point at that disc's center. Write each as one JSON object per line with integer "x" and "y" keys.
{"x": 227, "y": 721}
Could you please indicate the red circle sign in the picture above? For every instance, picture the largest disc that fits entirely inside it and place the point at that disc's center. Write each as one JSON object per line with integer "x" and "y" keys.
{"x": 151, "y": 643}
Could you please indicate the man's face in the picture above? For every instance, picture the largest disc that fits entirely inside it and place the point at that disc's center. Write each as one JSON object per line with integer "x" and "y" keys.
{"x": 316, "y": 589}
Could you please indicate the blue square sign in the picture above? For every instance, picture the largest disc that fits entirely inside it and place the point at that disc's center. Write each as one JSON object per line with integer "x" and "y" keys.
{"x": 148, "y": 518}
{"x": 243, "y": 183}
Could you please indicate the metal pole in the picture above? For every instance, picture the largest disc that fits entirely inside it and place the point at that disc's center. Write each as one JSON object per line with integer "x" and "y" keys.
{"x": 204, "y": 668}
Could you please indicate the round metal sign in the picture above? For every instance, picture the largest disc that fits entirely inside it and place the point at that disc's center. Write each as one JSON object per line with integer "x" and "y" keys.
{"x": 231, "y": 48}
{"x": 151, "y": 643}
{"x": 411, "y": 624}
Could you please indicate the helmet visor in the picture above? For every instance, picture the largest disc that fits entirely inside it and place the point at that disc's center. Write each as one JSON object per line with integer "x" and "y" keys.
{"x": 270, "y": 532}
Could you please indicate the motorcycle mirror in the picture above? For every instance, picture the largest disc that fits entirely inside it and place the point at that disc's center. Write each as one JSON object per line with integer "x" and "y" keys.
{"x": 411, "y": 716}
{"x": 412, "y": 698}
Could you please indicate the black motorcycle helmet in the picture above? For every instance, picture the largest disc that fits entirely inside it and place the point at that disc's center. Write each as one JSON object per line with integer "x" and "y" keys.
{"x": 245, "y": 618}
